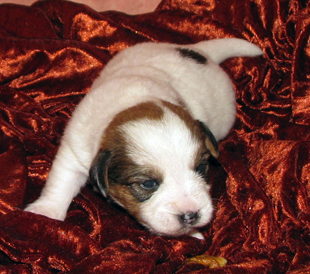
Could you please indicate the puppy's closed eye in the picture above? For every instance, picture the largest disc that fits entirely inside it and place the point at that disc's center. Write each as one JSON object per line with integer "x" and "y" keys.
{"x": 201, "y": 169}
{"x": 144, "y": 190}
{"x": 149, "y": 185}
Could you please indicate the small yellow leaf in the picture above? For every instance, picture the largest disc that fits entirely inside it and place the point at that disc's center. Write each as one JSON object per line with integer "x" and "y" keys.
{"x": 209, "y": 261}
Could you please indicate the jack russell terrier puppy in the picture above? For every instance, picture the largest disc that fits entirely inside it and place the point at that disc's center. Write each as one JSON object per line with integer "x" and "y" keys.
{"x": 145, "y": 132}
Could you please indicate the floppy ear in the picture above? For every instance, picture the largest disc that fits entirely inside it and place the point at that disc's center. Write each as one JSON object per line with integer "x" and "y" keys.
{"x": 210, "y": 141}
{"x": 98, "y": 174}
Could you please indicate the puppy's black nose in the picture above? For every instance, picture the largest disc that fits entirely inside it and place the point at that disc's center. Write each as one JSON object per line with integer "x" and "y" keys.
{"x": 189, "y": 217}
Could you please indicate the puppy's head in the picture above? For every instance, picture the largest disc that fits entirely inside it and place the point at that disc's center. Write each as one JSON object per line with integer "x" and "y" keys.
{"x": 153, "y": 161}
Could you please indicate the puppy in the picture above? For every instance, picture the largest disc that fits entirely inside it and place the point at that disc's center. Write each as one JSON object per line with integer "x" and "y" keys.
{"x": 145, "y": 132}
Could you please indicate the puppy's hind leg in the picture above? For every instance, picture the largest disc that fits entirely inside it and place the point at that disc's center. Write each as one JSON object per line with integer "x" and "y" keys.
{"x": 64, "y": 182}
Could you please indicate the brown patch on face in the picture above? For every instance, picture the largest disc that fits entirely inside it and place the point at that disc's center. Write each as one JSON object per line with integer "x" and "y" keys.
{"x": 148, "y": 110}
{"x": 123, "y": 174}
{"x": 124, "y": 183}
{"x": 122, "y": 194}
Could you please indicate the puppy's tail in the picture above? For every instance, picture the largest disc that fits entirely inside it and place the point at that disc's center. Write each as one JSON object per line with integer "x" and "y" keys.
{"x": 221, "y": 49}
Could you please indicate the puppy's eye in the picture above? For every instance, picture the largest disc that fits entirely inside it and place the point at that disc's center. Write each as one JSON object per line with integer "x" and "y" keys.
{"x": 149, "y": 185}
{"x": 202, "y": 168}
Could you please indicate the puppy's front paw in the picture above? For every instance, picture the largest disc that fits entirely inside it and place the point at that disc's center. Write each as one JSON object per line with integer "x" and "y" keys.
{"x": 47, "y": 209}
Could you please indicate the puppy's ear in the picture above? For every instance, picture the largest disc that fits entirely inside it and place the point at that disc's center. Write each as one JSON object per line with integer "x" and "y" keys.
{"x": 98, "y": 174}
{"x": 210, "y": 141}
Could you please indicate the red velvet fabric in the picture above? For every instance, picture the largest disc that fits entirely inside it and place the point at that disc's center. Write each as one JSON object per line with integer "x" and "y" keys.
{"x": 51, "y": 52}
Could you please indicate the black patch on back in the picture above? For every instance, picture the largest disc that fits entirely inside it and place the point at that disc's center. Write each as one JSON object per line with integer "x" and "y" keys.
{"x": 194, "y": 55}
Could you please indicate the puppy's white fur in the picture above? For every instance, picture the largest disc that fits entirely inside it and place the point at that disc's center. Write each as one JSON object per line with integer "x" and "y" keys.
{"x": 150, "y": 72}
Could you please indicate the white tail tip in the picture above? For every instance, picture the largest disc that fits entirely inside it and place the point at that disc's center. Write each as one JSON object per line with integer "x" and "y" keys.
{"x": 221, "y": 49}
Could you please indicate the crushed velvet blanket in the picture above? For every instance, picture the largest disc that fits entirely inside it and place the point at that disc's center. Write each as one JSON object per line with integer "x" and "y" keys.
{"x": 51, "y": 52}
